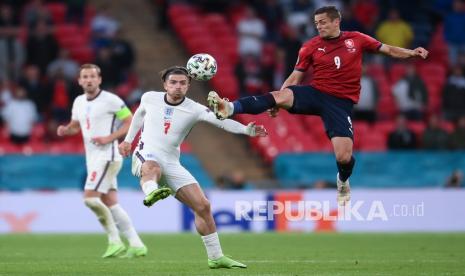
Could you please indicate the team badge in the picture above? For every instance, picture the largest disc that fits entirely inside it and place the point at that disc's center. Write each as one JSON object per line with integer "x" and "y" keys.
{"x": 350, "y": 45}
{"x": 169, "y": 111}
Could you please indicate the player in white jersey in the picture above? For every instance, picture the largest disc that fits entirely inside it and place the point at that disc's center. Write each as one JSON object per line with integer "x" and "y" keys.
{"x": 95, "y": 113}
{"x": 165, "y": 120}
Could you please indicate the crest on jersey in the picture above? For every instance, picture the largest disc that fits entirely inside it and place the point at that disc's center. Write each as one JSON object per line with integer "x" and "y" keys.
{"x": 169, "y": 111}
{"x": 350, "y": 45}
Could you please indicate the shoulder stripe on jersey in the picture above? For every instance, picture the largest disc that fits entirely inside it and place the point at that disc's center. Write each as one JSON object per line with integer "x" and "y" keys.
{"x": 113, "y": 142}
{"x": 138, "y": 155}
{"x": 103, "y": 175}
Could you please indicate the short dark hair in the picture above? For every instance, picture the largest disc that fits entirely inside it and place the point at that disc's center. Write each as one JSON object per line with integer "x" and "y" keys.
{"x": 174, "y": 70}
{"x": 331, "y": 11}
{"x": 90, "y": 66}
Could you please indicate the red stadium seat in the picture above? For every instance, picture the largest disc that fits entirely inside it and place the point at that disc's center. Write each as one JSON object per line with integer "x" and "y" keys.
{"x": 387, "y": 108}
{"x": 89, "y": 14}
{"x": 34, "y": 147}
{"x": 65, "y": 30}
{"x": 4, "y": 135}
{"x": 180, "y": 10}
{"x": 417, "y": 127}
{"x": 372, "y": 141}
{"x": 58, "y": 12}
{"x": 214, "y": 20}
{"x": 429, "y": 69}
{"x": 397, "y": 71}
{"x": 72, "y": 41}
{"x": 38, "y": 132}
{"x": 361, "y": 127}
{"x": 9, "y": 148}
{"x": 447, "y": 126}
{"x": 376, "y": 70}
{"x": 384, "y": 127}
{"x": 82, "y": 54}
{"x": 227, "y": 87}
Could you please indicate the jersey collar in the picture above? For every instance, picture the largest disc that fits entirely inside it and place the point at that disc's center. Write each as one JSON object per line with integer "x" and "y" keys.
{"x": 168, "y": 103}
{"x": 334, "y": 38}
{"x": 98, "y": 94}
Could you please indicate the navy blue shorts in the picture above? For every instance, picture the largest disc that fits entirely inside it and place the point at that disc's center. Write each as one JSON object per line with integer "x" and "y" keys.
{"x": 335, "y": 112}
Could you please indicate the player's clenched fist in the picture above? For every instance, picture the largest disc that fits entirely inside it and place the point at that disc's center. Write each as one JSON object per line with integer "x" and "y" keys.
{"x": 124, "y": 149}
{"x": 421, "y": 52}
{"x": 61, "y": 130}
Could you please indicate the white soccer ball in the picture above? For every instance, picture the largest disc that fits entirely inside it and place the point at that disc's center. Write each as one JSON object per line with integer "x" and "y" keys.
{"x": 202, "y": 67}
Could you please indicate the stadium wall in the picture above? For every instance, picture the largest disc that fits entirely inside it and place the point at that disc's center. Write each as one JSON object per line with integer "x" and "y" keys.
{"x": 396, "y": 169}
{"x": 51, "y": 172}
{"x": 380, "y": 210}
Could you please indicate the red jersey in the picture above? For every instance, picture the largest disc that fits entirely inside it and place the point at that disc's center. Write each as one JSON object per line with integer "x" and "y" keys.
{"x": 337, "y": 63}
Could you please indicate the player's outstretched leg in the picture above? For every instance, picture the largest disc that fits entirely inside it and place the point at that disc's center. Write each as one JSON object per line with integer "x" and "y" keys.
{"x": 249, "y": 105}
{"x": 156, "y": 195}
{"x": 343, "y": 191}
{"x": 221, "y": 107}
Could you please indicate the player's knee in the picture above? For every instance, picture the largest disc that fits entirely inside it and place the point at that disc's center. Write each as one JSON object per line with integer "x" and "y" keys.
{"x": 343, "y": 156}
{"x": 109, "y": 201}
{"x": 203, "y": 208}
{"x": 150, "y": 169}
{"x": 93, "y": 202}
{"x": 283, "y": 98}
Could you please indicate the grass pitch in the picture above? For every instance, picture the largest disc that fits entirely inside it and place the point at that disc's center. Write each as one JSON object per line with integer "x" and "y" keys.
{"x": 265, "y": 254}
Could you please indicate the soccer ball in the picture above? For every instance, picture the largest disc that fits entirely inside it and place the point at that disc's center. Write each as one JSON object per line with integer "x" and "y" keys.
{"x": 202, "y": 67}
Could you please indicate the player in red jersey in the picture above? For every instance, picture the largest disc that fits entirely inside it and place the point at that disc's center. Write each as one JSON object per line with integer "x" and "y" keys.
{"x": 336, "y": 58}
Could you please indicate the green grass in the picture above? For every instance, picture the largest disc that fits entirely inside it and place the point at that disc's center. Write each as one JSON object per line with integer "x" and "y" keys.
{"x": 265, "y": 254}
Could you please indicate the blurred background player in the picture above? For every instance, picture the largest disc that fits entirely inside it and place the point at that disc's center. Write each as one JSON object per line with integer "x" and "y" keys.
{"x": 95, "y": 114}
{"x": 336, "y": 58}
{"x": 167, "y": 119}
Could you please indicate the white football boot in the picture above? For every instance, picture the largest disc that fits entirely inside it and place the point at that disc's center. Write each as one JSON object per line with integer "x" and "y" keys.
{"x": 221, "y": 107}
{"x": 343, "y": 191}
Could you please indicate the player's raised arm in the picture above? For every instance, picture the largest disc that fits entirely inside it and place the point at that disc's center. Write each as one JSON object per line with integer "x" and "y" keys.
{"x": 233, "y": 126}
{"x": 398, "y": 52}
{"x": 73, "y": 127}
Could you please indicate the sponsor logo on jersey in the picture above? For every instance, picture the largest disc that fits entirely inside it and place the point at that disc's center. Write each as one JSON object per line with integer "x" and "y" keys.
{"x": 150, "y": 156}
{"x": 322, "y": 49}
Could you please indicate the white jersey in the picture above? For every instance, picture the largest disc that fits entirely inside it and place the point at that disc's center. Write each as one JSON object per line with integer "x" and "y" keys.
{"x": 97, "y": 117}
{"x": 165, "y": 126}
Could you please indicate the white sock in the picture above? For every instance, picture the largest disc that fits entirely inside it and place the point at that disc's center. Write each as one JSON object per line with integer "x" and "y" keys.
{"x": 124, "y": 224}
{"x": 212, "y": 244}
{"x": 231, "y": 108}
{"x": 105, "y": 218}
{"x": 149, "y": 187}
